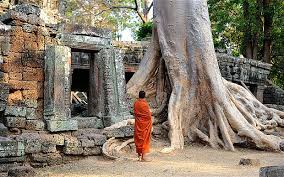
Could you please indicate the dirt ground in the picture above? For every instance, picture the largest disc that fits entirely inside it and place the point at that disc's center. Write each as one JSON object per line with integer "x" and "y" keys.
{"x": 193, "y": 161}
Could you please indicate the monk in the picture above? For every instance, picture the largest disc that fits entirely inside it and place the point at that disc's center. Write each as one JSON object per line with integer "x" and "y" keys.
{"x": 142, "y": 127}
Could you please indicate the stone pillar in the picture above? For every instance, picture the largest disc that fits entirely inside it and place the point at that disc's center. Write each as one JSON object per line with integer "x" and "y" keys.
{"x": 259, "y": 92}
{"x": 93, "y": 96}
{"x": 114, "y": 88}
{"x": 121, "y": 83}
{"x": 57, "y": 88}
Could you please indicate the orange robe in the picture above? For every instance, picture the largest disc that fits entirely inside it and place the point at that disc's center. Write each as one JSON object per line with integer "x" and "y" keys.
{"x": 142, "y": 126}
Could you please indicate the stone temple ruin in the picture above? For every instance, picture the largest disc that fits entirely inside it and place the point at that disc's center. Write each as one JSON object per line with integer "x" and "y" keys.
{"x": 41, "y": 65}
{"x": 46, "y": 65}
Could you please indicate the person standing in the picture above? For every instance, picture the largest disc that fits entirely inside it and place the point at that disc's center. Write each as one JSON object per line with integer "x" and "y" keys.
{"x": 142, "y": 126}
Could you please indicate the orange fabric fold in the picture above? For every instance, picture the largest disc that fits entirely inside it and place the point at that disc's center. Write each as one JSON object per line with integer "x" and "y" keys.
{"x": 142, "y": 126}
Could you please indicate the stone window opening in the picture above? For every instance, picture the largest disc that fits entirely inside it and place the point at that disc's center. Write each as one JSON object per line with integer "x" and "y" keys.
{"x": 128, "y": 76}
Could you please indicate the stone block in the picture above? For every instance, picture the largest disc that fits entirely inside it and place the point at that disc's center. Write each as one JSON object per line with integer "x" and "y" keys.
{"x": 32, "y": 142}
{"x": 16, "y": 111}
{"x": 89, "y": 122}
{"x": 4, "y": 92}
{"x": 18, "y": 46}
{"x": 98, "y": 139}
{"x": 15, "y": 76}
{"x": 36, "y": 125}
{"x": 11, "y": 148}
{"x": 12, "y": 159}
{"x": 31, "y": 114}
{"x": 65, "y": 125}
{"x": 15, "y": 98}
{"x": 28, "y": 9}
{"x": 25, "y": 85}
{"x": 97, "y": 150}
{"x": 49, "y": 158}
{"x": 114, "y": 133}
{"x": 48, "y": 147}
{"x": 30, "y": 94}
{"x": 28, "y": 28}
{"x": 21, "y": 171}
{"x": 12, "y": 67}
{"x": 128, "y": 131}
{"x": 15, "y": 122}
{"x": 271, "y": 171}
{"x": 30, "y": 103}
{"x": 4, "y": 167}
{"x": 33, "y": 74}
{"x": 3, "y": 130}
{"x": 72, "y": 146}
{"x": 86, "y": 142}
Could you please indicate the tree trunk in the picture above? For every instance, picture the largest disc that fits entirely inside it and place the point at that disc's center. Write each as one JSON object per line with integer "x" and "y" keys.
{"x": 268, "y": 20}
{"x": 247, "y": 43}
{"x": 202, "y": 105}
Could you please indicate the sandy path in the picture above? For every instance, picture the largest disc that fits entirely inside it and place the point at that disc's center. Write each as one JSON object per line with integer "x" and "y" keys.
{"x": 193, "y": 161}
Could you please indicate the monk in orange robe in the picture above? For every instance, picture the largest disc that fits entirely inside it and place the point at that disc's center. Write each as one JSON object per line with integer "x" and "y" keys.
{"x": 143, "y": 126}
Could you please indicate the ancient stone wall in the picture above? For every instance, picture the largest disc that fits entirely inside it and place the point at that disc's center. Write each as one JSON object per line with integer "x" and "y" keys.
{"x": 273, "y": 95}
{"x": 22, "y": 70}
{"x": 35, "y": 62}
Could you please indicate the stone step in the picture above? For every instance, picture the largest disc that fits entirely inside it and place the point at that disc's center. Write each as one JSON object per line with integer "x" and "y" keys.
{"x": 11, "y": 148}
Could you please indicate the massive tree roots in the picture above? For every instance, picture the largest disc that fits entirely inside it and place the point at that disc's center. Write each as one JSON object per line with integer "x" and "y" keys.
{"x": 181, "y": 67}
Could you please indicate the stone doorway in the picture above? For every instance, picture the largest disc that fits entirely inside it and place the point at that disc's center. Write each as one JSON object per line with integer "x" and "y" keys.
{"x": 84, "y": 84}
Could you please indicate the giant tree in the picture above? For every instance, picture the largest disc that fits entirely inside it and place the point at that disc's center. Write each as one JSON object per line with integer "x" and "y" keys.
{"x": 201, "y": 105}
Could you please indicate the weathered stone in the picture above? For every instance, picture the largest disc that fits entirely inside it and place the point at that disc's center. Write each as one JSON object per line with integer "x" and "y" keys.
{"x": 71, "y": 158}
{"x": 128, "y": 131}
{"x": 48, "y": 147}
{"x": 114, "y": 133}
{"x": 247, "y": 161}
{"x": 3, "y": 130}
{"x": 30, "y": 94}
{"x": 15, "y": 76}
{"x": 25, "y": 85}
{"x": 97, "y": 150}
{"x": 4, "y": 92}
{"x": 15, "y": 122}
{"x": 86, "y": 142}
{"x": 11, "y": 148}
{"x": 57, "y": 89}
{"x": 28, "y": 9}
{"x": 33, "y": 74}
{"x": 32, "y": 142}
{"x": 4, "y": 167}
{"x": 89, "y": 122}
{"x": 31, "y": 114}
{"x": 15, "y": 98}
{"x": 29, "y": 28}
{"x": 13, "y": 15}
{"x": 12, "y": 159}
{"x": 87, "y": 132}
{"x": 98, "y": 139}
{"x": 72, "y": 146}
{"x": 49, "y": 158}
{"x": 15, "y": 111}
{"x": 65, "y": 125}
{"x": 21, "y": 171}
{"x": 271, "y": 171}
{"x": 30, "y": 103}
{"x": 34, "y": 125}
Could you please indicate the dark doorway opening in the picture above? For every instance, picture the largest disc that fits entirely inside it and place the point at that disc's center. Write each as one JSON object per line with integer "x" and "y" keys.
{"x": 128, "y": 76}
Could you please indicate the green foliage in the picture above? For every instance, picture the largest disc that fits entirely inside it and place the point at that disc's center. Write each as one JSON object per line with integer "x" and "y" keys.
{"x": 229, "y": 24}
{"x": 144, "y": 31}
{"x": 277, "y": 72}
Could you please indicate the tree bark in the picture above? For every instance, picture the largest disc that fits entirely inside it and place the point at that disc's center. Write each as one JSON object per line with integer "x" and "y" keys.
{"x": 268, "y": 20}
{"x": 247, "y": 43}
{"x": 202, "y": 105}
